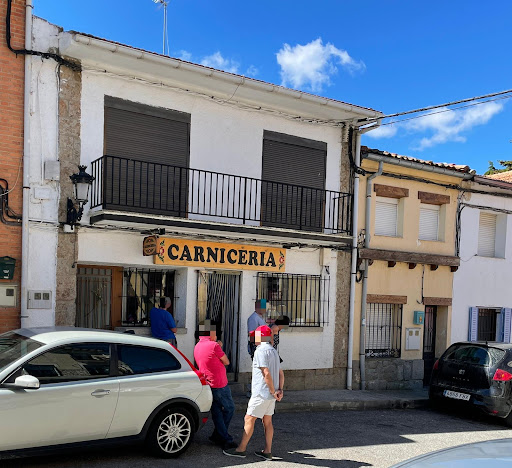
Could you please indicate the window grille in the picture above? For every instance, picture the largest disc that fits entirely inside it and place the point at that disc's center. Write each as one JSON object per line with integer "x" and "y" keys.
{"x": 303, "y": 298}
{"x": 487, "y": 322}
{"x": 383, "y": 330}
{"x": 142, "y": 289}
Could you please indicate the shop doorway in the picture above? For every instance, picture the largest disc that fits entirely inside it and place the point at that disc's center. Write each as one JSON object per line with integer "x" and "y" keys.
{"x": 429, "y": 342}
{"x": 218, "y": 298}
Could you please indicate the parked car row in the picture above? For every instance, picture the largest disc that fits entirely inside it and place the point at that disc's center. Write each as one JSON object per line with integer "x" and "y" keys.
{"x": 61, "y": 387}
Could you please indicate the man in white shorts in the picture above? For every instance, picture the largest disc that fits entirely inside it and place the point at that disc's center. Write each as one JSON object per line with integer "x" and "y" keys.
{"x": 266, "y": 389}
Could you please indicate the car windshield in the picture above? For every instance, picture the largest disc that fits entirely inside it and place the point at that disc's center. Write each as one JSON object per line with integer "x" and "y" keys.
{"x": 479, "y": 355}
{"x": 14, "y": 346}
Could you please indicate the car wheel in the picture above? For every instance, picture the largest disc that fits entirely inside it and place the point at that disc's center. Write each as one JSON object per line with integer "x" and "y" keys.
{"x": 170, "y": 433}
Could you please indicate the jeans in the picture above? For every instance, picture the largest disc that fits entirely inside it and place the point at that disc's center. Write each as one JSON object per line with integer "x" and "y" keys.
{"x": 222, "y": 410}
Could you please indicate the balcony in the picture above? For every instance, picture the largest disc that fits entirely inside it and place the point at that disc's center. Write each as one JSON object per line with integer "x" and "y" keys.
{"x": 129, "y": 185}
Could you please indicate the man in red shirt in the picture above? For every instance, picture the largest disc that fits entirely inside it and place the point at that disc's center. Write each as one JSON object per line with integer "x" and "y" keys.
{"x": 211, "y": 361}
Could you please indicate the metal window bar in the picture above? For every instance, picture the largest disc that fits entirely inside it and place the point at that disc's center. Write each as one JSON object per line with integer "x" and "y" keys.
{"x": 383, "y": 330}
{"x": 131, "y": 185}
{"x": 142, "y": 289}
{"x": 93, "y": 298}
{"x": 487, "y": 320}
{"x": 303, "y": 298}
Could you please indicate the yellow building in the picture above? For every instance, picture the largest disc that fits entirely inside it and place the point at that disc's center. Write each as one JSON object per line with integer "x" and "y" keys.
{"x": 407, "y": 236}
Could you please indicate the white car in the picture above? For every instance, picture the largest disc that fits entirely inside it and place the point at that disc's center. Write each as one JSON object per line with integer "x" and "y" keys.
{"x": 60, "y": 387}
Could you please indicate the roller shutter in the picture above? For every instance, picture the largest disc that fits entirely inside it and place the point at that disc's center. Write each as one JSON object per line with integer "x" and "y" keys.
{"x": 386, "y": 216}
{"x": 429, "y": 222}
{"x": 487, "y": 235}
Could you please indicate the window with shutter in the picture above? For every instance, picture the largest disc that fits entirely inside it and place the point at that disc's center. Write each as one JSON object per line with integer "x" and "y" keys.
{"x": 429, "y": 222}
{"x": 487, "y": 235}
{"x": 386, "y": 216}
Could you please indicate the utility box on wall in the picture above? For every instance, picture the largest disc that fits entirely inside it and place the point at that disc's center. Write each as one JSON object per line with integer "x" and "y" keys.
{"x": 39, "y": 300}
{"x": 8, "y": 295}
{"x": 419, "y": 317}
{"x": 412, "y": 338}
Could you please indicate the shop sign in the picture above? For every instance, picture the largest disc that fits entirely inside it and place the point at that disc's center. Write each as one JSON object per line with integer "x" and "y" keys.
{"x": 194, "y": 253}
{"x": 149, "y": 246}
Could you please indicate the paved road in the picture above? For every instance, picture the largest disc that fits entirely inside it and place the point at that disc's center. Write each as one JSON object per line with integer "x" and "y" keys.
{"x": 350, "y": 439}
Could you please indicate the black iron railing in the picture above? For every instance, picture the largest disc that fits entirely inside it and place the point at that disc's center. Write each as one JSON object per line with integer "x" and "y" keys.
{"x": 383, "y": 330}
{"x": 146, "y": 187}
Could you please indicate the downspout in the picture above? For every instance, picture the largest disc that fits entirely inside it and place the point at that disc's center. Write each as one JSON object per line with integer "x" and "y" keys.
{"x": 26, "y": 165}
{"x": 353, "y": 269}
{"x": 362, "y": 334}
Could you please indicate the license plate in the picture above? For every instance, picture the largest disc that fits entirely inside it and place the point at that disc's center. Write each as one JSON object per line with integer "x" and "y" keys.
{"x": 457, "y": 395}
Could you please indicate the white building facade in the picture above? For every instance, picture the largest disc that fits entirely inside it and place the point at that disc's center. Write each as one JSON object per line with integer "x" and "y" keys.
{"x": 482, "y": 296}
{"x": 243, "y": 185}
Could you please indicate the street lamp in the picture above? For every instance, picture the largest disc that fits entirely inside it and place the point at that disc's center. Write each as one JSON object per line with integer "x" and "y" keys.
{"x": 82, "y": 183}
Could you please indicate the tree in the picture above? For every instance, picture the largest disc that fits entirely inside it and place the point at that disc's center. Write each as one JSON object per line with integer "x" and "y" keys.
{"x": 507, "y": 166}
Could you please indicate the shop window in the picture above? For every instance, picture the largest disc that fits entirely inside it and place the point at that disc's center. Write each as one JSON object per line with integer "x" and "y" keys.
{"x": 303, "y": 298}
{"x": 142, "y": 289}
{"x": 383, "y": 330}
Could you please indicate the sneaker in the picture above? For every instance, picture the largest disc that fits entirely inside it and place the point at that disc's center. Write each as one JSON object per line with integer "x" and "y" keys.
{"x": 262, "y": 454}
{"x": 232, "y": 452}
{"x": 229, "y": 445}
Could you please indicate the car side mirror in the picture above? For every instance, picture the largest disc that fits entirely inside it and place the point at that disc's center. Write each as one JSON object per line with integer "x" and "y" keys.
{"x": 24, "y": 381}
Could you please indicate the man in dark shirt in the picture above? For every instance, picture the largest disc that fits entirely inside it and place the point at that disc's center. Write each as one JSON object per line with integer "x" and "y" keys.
{"x": 163, "y": 325}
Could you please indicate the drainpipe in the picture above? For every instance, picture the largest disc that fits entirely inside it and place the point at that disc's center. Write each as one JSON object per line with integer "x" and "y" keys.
{"x": 26, "y": 165}
{"x": 353, "y": 269}
{"x": 362, "y": 335}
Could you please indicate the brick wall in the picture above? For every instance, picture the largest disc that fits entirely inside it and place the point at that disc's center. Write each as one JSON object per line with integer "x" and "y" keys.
{"x": 11, "y": 144}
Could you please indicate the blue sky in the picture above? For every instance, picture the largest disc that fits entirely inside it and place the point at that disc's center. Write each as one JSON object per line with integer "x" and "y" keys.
{"x": 388, "y": 55}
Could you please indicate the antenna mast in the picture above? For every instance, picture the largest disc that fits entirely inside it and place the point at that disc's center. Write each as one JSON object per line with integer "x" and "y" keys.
{"x": 165, "y": 36}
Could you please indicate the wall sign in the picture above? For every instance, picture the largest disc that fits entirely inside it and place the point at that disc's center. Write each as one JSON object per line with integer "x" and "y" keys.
{"x": 219, "y": 255}
{"x": 149, "y": 246}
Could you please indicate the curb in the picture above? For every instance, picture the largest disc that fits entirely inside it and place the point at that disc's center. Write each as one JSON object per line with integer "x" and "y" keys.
{"x": 312, "y": 406}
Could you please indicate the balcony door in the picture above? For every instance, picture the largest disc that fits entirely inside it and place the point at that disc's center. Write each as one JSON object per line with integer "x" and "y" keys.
{"x": 145, "y": 168}
{"x": 293, "y": 182}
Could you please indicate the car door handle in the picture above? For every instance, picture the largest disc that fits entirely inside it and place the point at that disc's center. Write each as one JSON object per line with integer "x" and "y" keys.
{"x": 100, "y": 392}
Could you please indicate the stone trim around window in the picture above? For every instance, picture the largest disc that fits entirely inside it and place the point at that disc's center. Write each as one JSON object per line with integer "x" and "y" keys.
{"x": 385, "y": 299}
{"x": 389, "y": 191}
{"x": 433, "y": 198}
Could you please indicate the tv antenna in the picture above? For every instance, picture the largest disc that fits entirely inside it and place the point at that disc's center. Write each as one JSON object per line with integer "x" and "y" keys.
{"x": 165, "y": 38}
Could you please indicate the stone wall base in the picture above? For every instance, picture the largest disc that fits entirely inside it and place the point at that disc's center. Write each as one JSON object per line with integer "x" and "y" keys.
{"x": 393, "y": 374}
{"x": 309, "y": 379}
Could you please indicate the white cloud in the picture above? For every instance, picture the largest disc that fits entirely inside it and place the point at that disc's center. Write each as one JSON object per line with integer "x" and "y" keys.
{"x": 450, "y": 125}
{"x": 442, "y": 125}
{"x": 313, "y": 64}
{"x": 216, "y": 60}
{"x": 252, "y": 71}
{"x": 386, "y": 131}
{"x": 184, "y": 55}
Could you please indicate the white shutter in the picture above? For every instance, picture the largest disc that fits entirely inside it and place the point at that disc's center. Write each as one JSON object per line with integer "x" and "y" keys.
{"x": 429, "y": 222}
{"x": 487, "y": 235}
{"x": 386, "y": 215}
{"x": 506, "y": 313}
{"x": 473, "y": 324}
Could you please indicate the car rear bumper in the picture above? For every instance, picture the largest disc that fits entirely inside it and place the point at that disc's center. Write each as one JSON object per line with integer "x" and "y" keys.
{"x": 493, "y": 405}
{"x": 203, "y": 417}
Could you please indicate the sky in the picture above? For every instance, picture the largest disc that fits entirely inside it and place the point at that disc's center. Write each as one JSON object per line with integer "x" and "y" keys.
{"x": 391, "y": 56}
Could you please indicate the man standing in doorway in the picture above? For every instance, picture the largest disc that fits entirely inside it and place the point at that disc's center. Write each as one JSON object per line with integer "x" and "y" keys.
{"x": 163, "y": 325}
{"x": 211, "y": 361}
{"x": 266, "y": 375}
{"x": 255, "y": 320}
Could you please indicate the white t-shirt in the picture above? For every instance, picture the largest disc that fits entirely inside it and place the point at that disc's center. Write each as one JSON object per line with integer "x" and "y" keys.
{"x": 265, "y": 356}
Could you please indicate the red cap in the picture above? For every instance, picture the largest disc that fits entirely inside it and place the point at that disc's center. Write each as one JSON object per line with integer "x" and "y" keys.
{"x": 264, "y": 330}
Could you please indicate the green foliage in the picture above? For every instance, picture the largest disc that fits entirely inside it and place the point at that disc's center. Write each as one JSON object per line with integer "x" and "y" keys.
{"x": 507, "y": 166}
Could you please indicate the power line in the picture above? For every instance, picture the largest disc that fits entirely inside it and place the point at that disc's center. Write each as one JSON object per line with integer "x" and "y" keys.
{"x": 423, "y": 109}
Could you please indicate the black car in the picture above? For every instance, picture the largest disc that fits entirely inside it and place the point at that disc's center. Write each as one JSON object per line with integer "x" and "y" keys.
{"x": 477, "y": 374}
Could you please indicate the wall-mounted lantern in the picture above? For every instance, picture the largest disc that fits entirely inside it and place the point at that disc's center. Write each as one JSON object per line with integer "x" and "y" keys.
{"x": 82, "y": 183}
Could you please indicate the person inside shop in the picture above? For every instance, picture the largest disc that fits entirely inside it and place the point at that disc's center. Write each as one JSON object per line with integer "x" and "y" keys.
{"x": 283, "y": 321}
{"x": 163, "y": 325}
{"x": 212, "y": 362}
{"x": 255, "y": 320}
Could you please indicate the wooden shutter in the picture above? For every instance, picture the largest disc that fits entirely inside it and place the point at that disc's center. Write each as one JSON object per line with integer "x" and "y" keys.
{"x": 429, "y": 222}
{"x": 473, "y": 324}
{"x": 147, "y": 156}
{"x": 293, "y": 174}
{"x": 507, "y": 316}
{"x": 487, "y": 235}
{"x": 386, "y": 216}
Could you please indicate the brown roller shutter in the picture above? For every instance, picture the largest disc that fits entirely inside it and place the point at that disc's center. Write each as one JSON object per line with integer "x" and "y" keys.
{"x": 293, "y": 185}
{"x": 147, "y": 155}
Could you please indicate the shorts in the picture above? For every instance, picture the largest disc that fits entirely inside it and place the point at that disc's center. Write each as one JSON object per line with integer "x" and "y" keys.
{"x": 258, "y": 407}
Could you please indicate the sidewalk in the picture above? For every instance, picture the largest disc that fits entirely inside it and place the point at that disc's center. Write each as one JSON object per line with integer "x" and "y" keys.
{"x": 339, "y": 400}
